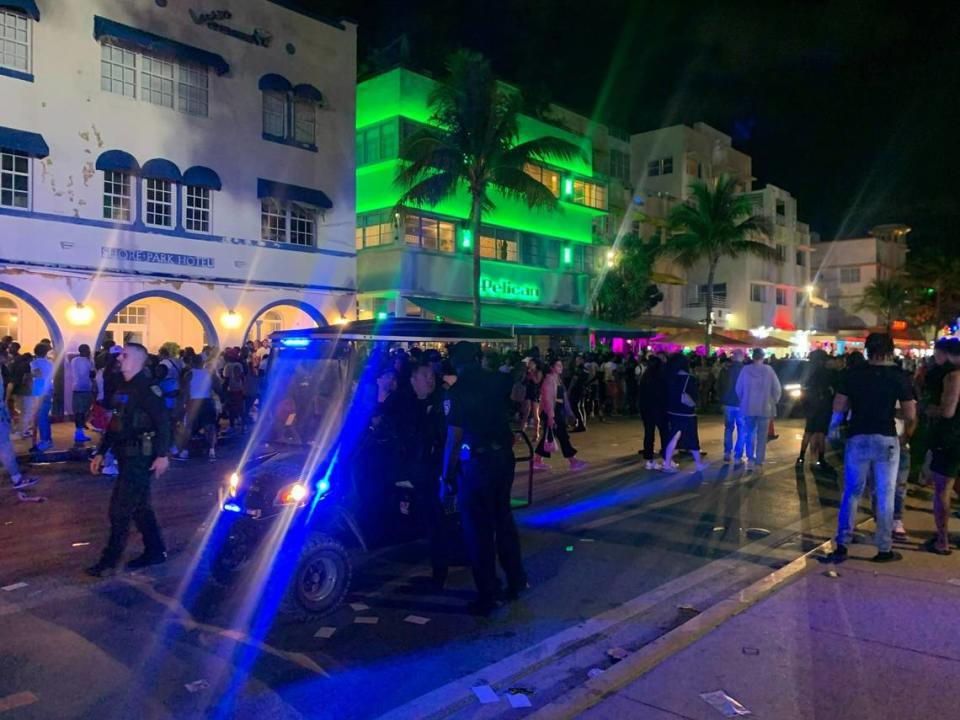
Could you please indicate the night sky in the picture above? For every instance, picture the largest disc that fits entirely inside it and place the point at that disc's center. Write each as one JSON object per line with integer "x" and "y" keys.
{"x": 844, "y": 104}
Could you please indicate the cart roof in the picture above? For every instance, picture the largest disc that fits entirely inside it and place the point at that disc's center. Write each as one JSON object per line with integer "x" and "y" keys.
{"x": 394, "y": 330}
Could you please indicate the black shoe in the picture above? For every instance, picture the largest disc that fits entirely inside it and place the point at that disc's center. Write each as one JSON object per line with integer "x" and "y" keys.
{"x": 98, "y": 570}
{"x": 482, "y": 608}
{"x": 838, "y": 555}
{"x": 885, "y": 557}
{"x": 146, "y": 560}
{"x": 513, "y": 593}
{"x": 772, "y": 437}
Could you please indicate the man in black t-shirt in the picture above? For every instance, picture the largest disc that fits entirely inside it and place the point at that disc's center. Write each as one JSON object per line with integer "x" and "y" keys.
{"x": 870, "y": 394}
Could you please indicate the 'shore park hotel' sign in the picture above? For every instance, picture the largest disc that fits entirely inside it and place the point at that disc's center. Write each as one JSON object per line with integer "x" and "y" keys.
{"x": 504, "y": 289}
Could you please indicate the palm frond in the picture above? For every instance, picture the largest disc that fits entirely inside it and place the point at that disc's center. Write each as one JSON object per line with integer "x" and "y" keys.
{"x": 543, "y": 149}
{"x": 516, "y": 184}
{"x": 430, "y": 190}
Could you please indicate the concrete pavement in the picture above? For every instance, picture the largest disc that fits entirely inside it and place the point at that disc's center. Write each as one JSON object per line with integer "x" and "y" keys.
{"x": 858, "y": 640}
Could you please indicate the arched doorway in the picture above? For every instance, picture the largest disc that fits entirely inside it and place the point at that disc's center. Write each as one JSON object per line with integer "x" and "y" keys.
{"x": 155, "y": 318}
{"x": 26, "y": 320}
{"x": 283, "y": 315}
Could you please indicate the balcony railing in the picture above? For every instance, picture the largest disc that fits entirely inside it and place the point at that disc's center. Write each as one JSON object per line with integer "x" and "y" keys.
{"x": 720, "y": 302}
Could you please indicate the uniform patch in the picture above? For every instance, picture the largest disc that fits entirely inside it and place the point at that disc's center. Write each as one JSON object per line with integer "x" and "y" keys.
{"x": 446, "y": 407}
{"x": 156, "y": 390}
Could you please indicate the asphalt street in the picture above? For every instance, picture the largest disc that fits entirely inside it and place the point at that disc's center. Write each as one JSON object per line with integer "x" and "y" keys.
{"x": 615, "y": 554}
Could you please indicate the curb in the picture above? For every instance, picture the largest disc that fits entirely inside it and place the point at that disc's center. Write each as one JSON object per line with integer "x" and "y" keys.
{"x": 617, "y": 677}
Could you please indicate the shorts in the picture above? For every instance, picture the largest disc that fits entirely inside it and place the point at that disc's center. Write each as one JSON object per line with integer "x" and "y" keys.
{"x": 818, "y": 423}
{"x": 202, "y": 412}
{"x": 686, "y": 425}
{"x": 945, "y": 460}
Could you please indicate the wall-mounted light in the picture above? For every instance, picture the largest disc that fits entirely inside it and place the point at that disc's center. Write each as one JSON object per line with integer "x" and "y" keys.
{"x": 466, "y": 239}
{"x": 381, "y": 315}
{"x": 342, "y": 320}
{"x": 568, "y": 255}
{"x": 79, "y": 314}
{"x": 567, "y": 187}
{"x": 809, "y": 289}
{"x": 611, "y": 258}
{"x": 230, "y": 320}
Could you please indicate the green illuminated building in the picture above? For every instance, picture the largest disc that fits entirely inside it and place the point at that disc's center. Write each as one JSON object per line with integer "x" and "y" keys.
{"x": 538, "y": 267}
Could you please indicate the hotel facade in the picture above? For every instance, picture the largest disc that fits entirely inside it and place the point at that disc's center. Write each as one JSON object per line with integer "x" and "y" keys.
{"x": 174, "y": 171}
{"x": 538, "y": 268}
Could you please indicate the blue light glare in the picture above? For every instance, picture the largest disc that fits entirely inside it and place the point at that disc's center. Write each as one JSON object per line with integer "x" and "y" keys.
{"x": 297, "y": 342}
{"x": 232, "y": 507}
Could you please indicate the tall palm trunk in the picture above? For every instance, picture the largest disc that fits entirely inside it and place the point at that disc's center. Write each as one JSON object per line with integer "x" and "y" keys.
{"x": 711, "y": 273}
{"x": 475, "y": 241}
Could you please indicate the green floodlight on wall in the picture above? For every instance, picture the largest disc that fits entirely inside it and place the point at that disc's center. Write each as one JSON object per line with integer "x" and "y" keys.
{"x": 568, "y": 255}
{"x": 567, "y": 187}
{"x": 466, "y": 239}
{"x": 381, "y": 315}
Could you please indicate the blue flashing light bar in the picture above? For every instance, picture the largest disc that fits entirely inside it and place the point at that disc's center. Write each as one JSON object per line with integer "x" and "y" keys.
{"x": 296, "y": 342}
{"x": 323, "y": 486}
{"x": 232, "y": 507}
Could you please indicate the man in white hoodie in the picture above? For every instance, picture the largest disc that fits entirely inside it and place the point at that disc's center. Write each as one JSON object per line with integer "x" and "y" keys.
{"x": 758, "y": 388}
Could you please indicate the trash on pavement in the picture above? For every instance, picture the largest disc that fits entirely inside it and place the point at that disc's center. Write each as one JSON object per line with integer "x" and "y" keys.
{"x": 325, "y": 632}
{"x": 27, "y": 497}
{"x": 724, "y": 704}
{"x": 747, "y": 650}
{"x": 954, "y": 581}
{"x": 519, "y": 697}
{"x": 832, "y": 574}
{"x": 197, "y": 686}
{"x": 688, "y": 609}
{"x": 15, "y": 586}
{"x": 485, "y": 694}
{"x": 366, "y": 620}
{"x": 719, "y": 528}
{"x": 416, "y": 620}
{"x": 757, "y": 532}
{"x": 80, "y": 544}
{"x": 359, "y": 607}
{"x": 617, "y": 653}
{"x": 593, "y": 672}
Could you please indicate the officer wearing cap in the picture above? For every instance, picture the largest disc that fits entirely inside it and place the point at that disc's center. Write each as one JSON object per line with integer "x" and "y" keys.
{"x": 139, "y": 437}
{"x": 478, "y": 467}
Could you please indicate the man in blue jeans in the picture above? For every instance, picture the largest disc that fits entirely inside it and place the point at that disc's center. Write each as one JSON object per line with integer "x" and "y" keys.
{"x": 870, "y": 393}
{"x": 733, "y": 419}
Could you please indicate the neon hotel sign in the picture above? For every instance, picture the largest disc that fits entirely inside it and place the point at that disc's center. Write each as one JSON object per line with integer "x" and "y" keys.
{"x": 505, "y": 289}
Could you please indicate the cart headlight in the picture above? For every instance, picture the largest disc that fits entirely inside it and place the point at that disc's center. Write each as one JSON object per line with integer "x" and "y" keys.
{"x": 291, "y": 495}
{"x": 233, "y": 483}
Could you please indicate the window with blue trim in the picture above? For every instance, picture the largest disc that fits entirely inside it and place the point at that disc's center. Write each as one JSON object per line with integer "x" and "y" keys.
{"x": 14, "y": 180}
{"x": 289, "y": 119}
{"x": 159, "y": 203}
{"x": 117, "y": 196}
{"x": 288, "y": 222}
{"x": 196, "y": 209}
{"x": 14, "y": 40}
{"x": 162, "y": 81}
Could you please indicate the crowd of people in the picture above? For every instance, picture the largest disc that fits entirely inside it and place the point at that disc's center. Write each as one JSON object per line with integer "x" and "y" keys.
{"x": 870, "y": 406}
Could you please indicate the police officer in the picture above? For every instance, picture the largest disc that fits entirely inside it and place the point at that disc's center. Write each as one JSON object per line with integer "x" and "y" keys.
{"x": 139, "y": 437}
{"x": 478, "y": 467}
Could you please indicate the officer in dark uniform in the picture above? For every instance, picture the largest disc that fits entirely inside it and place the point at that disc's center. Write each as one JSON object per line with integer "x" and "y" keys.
{"x": 422, "y": 432}
{"x": 479, "y": 467}
{"x": 139, "y": 437}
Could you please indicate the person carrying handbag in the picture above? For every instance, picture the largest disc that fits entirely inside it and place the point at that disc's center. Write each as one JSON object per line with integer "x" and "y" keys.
{"x": 554, "y": 411}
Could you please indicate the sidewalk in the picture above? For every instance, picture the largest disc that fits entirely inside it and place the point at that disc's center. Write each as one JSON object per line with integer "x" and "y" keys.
{"x": 874, "y": 642}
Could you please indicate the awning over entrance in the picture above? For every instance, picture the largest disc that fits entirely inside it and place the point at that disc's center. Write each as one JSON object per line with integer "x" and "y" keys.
{"x": 520, "y": 318}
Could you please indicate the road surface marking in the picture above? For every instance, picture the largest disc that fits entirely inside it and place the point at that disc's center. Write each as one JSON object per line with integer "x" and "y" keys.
{"x": 185, "y": 618}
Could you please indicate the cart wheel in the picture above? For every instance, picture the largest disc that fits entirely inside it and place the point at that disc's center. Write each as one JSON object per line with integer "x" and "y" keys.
{"x": 233, "y": 556}
{"x": 320, "y": 581}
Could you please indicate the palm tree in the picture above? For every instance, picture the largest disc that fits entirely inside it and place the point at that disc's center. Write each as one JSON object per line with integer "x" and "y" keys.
{"x": 716, "y": 222}
{"x": 887, "y": 298}
{"x": 473, "y": 145}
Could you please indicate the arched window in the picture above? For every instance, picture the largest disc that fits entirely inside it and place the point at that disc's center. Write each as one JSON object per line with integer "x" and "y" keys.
{"x": 272, "y": 322}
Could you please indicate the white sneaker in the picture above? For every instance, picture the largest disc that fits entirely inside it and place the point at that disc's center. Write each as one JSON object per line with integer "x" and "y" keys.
{"x": 540, "y": 465}
{"x": 184, "y": 455}
{"x": 651, "y": 465}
